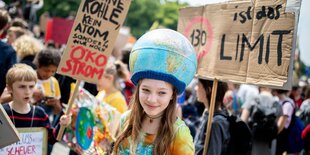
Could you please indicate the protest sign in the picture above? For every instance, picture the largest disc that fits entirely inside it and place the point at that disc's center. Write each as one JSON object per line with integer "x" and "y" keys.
{"x": 33, "y": 141}
{"x": 58, "y": 30}
{"x": 92, "y": 38}
{"x": 243, "y": 41}
{"x": 83, "y": 135}
{"x": 7, "y": 127}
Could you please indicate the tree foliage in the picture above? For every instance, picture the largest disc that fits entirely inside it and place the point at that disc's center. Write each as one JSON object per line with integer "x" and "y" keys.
{"x": 60, "y": 8}
{"x": 142, "y": 16}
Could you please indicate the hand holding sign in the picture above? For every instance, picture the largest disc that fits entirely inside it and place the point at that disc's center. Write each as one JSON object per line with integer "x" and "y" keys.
{"x": 91, "y": 42}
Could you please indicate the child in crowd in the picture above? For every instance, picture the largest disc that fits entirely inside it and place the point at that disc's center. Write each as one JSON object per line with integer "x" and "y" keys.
{"x": 27, "y": 48}
{"x": 21, "y": 80}
{"x": 47, "y": 92}
{"x": 109, "y": 88}
{"x": 288, "y": 107}
{"x": 220, "y": 135}
{"x": 163, "y": 62}
{"x": 14, "y": 33}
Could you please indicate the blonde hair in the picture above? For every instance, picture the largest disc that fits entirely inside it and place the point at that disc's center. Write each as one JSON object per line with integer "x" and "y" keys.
{"x": 117, "y": 70}
{"x": 27, "y": 45}
{"x": 20, "y": 72}
{"x": 133, "y": 126}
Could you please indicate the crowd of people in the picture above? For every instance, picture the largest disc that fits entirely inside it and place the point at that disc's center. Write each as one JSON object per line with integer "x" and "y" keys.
{"x": 164, "y": 108}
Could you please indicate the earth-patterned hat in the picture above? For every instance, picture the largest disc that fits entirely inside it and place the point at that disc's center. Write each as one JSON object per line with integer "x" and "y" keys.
{"x": 163, "y": 54}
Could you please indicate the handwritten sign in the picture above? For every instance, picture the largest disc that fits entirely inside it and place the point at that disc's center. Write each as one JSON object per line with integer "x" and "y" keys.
{"x": 243, "y": 42}
{"x": 92, "y": 38}
{"x": 33, "y": 141}
{"x": 9, "y": 133}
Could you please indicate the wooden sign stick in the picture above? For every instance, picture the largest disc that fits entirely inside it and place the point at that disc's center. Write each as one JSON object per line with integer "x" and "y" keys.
{"x": 71, "y": 101}
{"x": 210, "y": 117}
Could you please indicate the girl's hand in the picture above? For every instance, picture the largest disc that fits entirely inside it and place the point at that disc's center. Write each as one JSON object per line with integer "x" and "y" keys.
{"x": 65, "y": 120}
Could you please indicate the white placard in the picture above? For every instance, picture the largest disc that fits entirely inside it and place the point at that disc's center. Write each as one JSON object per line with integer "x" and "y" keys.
{"x": 33, "y": 141}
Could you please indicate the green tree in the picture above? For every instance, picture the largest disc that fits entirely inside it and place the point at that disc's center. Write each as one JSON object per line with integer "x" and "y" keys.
{"x": 60, "y": 8}
{"x": 169, "y": 14}
{"x": 144, "y": 15}
{"x": 141, "y": 15}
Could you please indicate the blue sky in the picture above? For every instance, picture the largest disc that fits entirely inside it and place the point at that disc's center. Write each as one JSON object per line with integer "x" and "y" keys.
{"x": 303, "y": 26}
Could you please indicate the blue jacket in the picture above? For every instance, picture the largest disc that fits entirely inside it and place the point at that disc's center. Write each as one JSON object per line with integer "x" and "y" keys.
{"x": 7, "y": 59}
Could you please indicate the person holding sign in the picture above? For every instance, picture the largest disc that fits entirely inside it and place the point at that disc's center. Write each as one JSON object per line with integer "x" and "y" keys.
{"x": 21, "y": 80}
{"x": 162, "y": 63}
{"x": 220, "y": 136}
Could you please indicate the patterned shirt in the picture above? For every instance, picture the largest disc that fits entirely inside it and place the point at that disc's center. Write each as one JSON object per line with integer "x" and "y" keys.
{"x": 182, "y": 144}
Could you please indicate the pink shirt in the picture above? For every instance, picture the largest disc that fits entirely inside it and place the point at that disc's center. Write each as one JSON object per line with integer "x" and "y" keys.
{"x": 288, "y": 110}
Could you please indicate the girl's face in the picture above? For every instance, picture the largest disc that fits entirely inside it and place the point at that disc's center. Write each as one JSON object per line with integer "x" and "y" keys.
{"x": 155, "y": 96}
{"x": 45, "y": 72}
{"x": 22, "y": 91}
{"x": 201, "y": 93}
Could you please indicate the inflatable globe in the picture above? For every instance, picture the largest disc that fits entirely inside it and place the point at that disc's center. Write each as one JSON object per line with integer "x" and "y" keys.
{"x": 163, "y": 54}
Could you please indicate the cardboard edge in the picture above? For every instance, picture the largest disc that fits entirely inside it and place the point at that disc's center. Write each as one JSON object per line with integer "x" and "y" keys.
{"x": 12, "y": 126}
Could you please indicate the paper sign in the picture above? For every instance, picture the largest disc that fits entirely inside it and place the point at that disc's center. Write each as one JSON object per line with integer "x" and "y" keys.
{"x": 33, "y": 141}
{"x": 9, "y": 133}
{"x": 92, "y": 38}
{"x": 243, "y": 41}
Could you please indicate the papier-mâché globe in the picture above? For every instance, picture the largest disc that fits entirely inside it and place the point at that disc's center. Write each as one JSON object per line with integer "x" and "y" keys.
{"x": 163, "y": 54}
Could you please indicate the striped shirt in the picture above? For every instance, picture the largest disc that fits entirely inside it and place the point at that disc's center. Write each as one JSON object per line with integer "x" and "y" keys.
{"x": 37, "y": 118}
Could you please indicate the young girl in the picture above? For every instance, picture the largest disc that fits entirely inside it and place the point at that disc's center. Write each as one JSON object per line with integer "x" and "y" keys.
{"x": 219, "y": 138}
{"x": 109, "y": 88}
{"x": 163, "y": 62}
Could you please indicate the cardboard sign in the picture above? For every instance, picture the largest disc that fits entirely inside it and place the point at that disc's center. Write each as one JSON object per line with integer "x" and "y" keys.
{"x": 9, "y": 133}
{"x": 58, "y": 30}
{"x": 92, "y": 38}
{"x": 243, "y": 41}
{"x": 33, "y": 141}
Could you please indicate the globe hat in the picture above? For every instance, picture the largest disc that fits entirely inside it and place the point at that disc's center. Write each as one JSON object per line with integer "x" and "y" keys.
{"x": 163, "y": 54}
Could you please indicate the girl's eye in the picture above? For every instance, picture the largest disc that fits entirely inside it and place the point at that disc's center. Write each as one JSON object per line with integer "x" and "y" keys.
{"x": 145, "y": 90}
{"x": 31, "y": 87}
{"x": 162, "y": 93}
